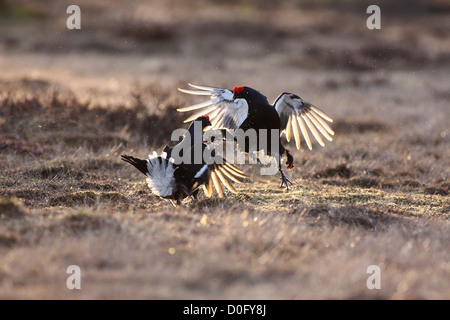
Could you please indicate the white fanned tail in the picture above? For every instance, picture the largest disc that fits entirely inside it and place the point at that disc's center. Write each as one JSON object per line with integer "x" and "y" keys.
{"x": 161, "y": 178}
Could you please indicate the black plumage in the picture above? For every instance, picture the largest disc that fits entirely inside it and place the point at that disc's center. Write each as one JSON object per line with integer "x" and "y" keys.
{"x": 246, "y": 108}
{"x": 261, "y": 115}
{"x": 178, "y": 172}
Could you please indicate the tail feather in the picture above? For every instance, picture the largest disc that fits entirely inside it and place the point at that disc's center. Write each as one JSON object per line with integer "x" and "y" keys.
{"x": 139, "y": 164}
{"x": 160, "y": 173}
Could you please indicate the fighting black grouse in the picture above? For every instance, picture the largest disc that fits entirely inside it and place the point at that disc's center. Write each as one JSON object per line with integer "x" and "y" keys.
{"x": 246, "y": 108}
{"x": 176, "y": 177}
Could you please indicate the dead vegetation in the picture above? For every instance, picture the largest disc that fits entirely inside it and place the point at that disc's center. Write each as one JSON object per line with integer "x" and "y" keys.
{"x": 378, "y": 194}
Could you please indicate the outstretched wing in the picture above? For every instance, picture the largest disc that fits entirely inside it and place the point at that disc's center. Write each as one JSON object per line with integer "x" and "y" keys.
{"x": 223, "y": 110}
{"x": 297, "y": 116}
{"x": 223, "y": 175}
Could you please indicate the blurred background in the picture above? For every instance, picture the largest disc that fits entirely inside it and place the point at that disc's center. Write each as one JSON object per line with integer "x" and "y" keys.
{"x": 122, "y": 43}
{"x": 72, "y": 101}
{"x": 130, "y": 56}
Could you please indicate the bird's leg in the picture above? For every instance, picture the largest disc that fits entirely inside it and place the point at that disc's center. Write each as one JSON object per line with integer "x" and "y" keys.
{"x": 284, "y": 180}
{"x": 290, "y": 160}
{"x": 194, "y": 196}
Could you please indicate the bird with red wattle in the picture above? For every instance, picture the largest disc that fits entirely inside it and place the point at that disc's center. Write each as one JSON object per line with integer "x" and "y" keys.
{"x": 170, "y": 177}
{"x": 246, "y": 108}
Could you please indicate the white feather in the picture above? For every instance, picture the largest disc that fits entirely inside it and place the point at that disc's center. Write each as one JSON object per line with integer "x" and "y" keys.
{"x": 301, "y": 114}
{"x": 227, "y": 95}
{"x": 203, "y": 87}
{"x": 161, "y": 178}
{"x": 223, "y": 110}
{"x": 201, "y": 171}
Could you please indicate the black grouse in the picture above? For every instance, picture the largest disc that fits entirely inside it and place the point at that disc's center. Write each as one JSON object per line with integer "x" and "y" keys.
{"x": 178, "y": 176}
{"x": 246, "y": 108}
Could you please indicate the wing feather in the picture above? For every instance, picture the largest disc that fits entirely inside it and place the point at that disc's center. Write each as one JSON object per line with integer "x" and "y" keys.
{"x": 298, "y": 116}
{"x": 323, "y": 123}
{"x": 197, "y": 106}
{"x": 208, "y": 188}
{"x": 217, "y": 184}
{"x": 197, "y": 92}
{"x": 235, "y": 171}
{"x": 313, "y": 130}
{"x": 224, "y": 180}
{"x": 223, "y": 110}
{"x": 203, "y": 87}
{"x": 289, "y": 129}
{"x": 201, "y": 113}
{"x": 320, "y": 113}
{"x": 296, "y": 128}
{"x": 229, "y": 175}
{"x": 222, "y": 175}
{"x": 304, "y": 132}
{"x": 319, "y": 126}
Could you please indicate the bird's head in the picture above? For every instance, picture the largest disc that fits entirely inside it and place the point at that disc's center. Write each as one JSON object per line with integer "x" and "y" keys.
{"x": 197, "y": 127}
{"x": 204, "y": 121}
{"x": 251, "y": 95}
{"x": 239, "y": 92}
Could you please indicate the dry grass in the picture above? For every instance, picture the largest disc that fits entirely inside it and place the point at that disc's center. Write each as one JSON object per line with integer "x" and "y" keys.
{"x": 378, "y": 194}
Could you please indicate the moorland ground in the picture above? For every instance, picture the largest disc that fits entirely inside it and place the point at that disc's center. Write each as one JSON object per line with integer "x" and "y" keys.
{"x": 72, "y": 101}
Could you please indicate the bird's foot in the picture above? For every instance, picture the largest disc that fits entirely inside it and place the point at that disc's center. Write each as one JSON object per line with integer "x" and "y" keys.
{"x": 285, "y": 181}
